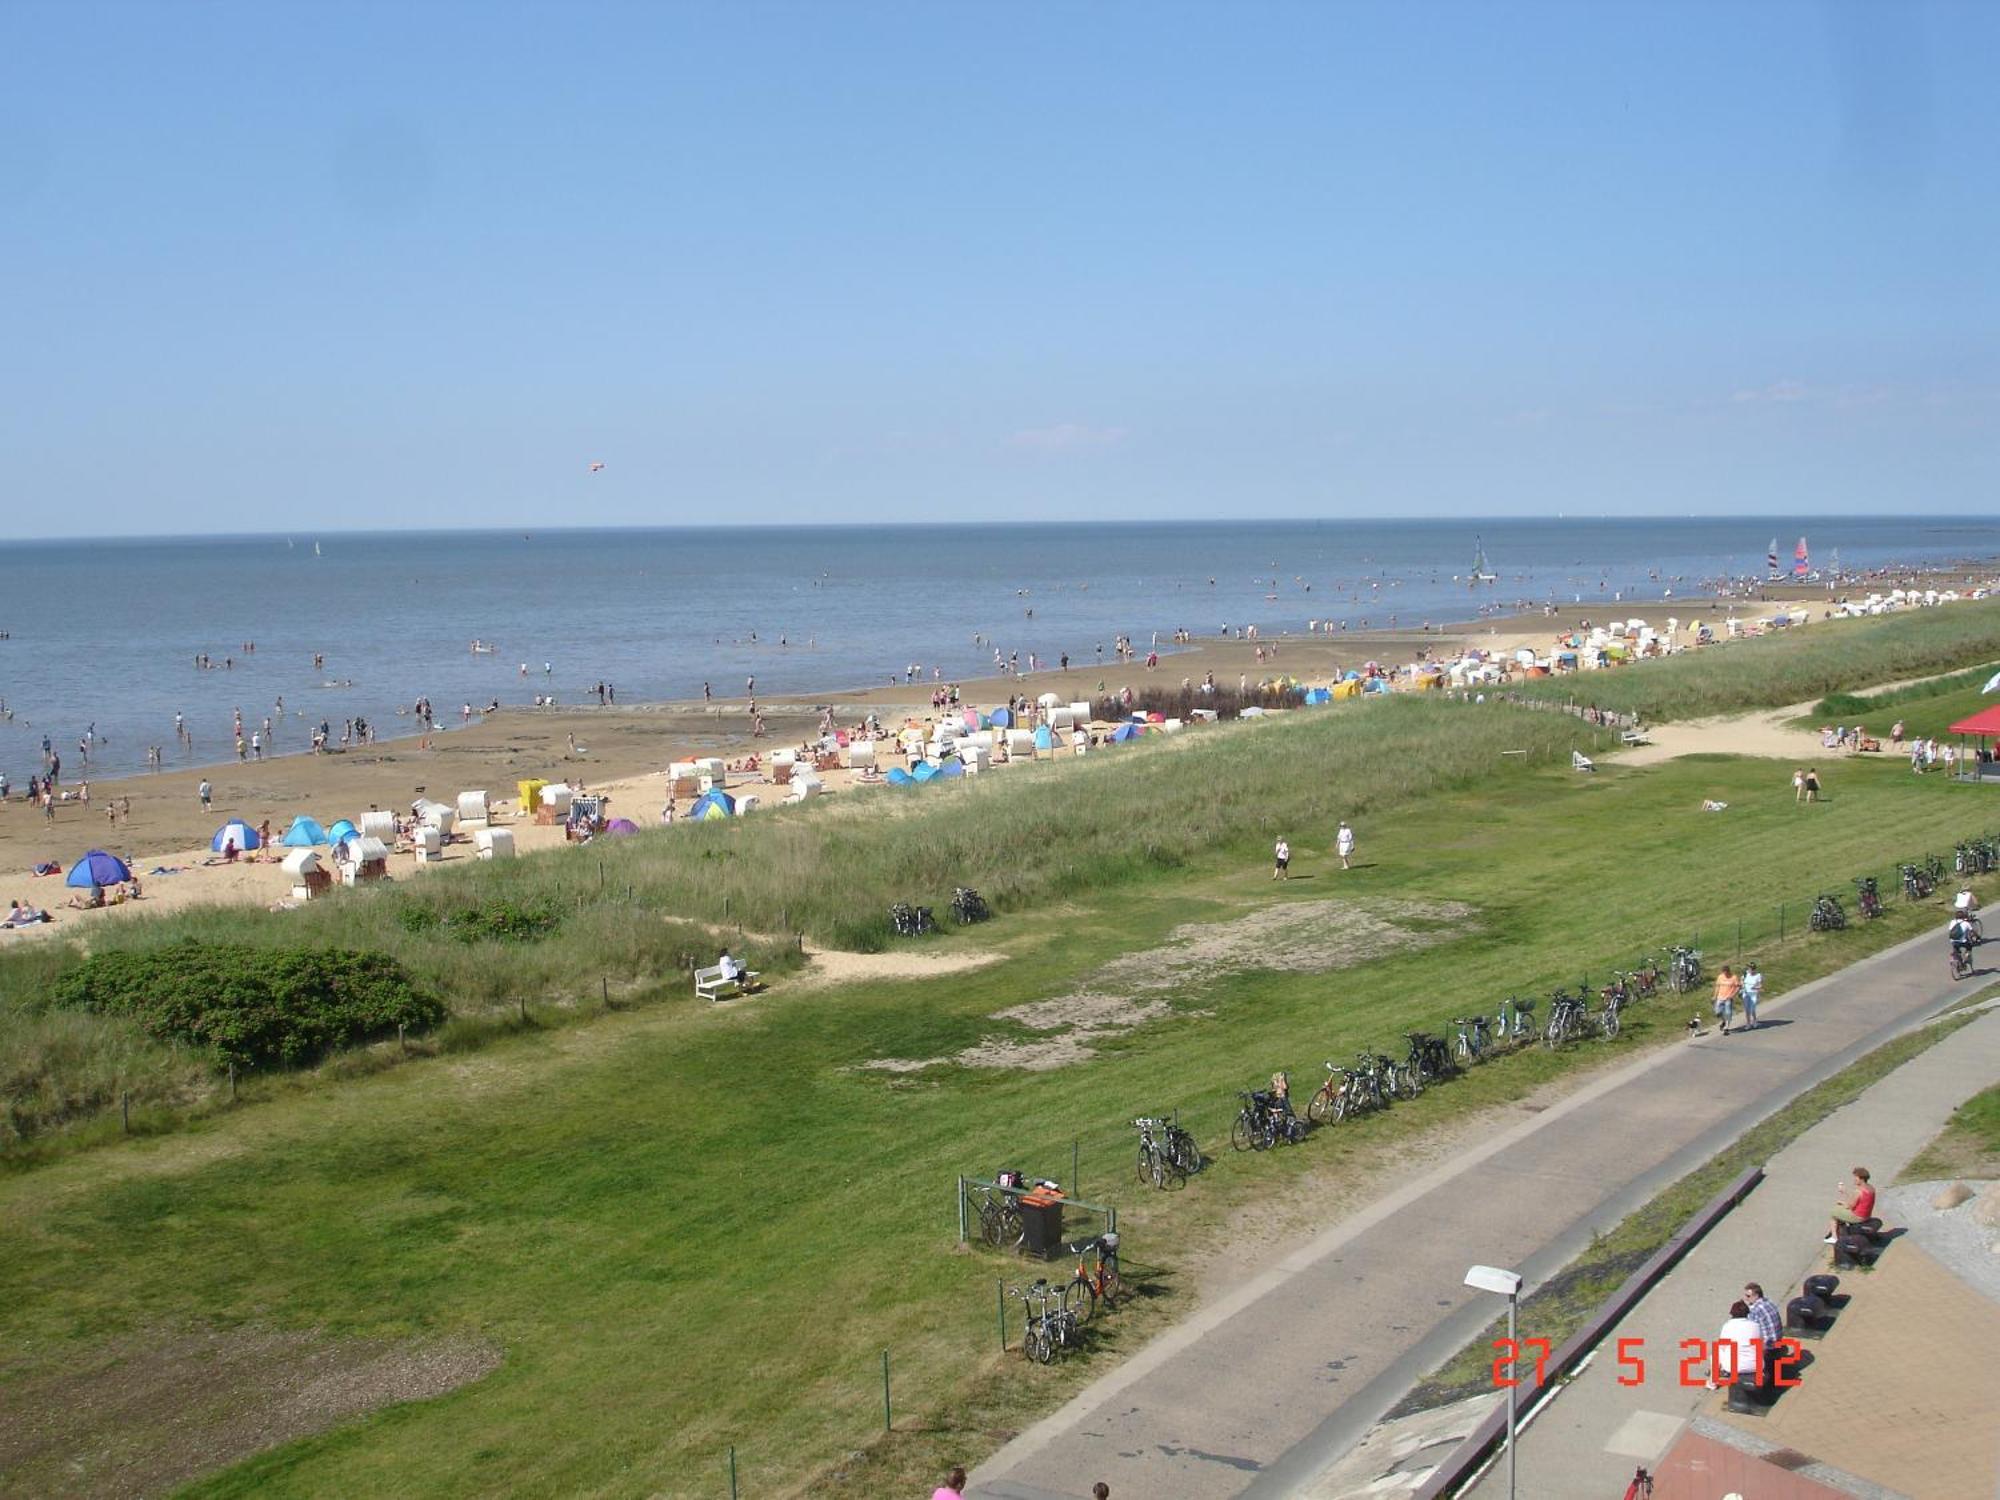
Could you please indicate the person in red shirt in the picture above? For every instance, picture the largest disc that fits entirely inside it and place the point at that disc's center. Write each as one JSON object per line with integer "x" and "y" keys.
{"x": 1861, "y": 1207}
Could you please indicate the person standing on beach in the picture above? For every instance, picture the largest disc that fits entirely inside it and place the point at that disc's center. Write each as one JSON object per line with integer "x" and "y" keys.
{"x": 1343, "y": 845}
{"x": 206, "y": 793}
{"x": 1282, "y": 865}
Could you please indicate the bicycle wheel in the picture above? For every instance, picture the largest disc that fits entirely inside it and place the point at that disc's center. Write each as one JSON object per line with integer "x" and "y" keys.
{"x": 989, "y": 1223}
{"x": 1012, "y": 1230}
{"x": 1186, "y": 1154}
{"x": 1149, "y": 1166}
{"x": 1040, "y": 1346}
{"x": 1343, "y": 1105}
{"x": 1079, "y": 1299}
{"x": 1610, "y": 1025}
{"x": 1321, "y": 1102}
{"x": 1413, "y": 1080}
{"x": 1243, "y": 1133}
{"x": 1112, "y": 1290}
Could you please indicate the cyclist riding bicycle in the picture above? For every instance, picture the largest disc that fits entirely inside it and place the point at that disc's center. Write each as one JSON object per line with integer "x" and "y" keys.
{"x": 1962, "y": 938}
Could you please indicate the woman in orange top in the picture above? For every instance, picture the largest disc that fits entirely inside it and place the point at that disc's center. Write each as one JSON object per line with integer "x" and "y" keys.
{"x": 1727, "y": 988}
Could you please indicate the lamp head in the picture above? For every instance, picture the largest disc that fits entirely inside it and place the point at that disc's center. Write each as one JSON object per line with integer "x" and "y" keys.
{"x": 1494, "y": 1279}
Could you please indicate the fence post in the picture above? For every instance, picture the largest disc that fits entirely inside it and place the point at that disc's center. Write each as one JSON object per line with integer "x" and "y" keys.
{"x": 1074, "y": 1190}
{"x": 732, "y": 1471}
{"x": 232, "y": 1079}
{"x": 1739, "y": 940}
{"x": 1781, "y": 921}
{"x": 887, "y": 1424}
{"x": 523, "y": 1000}
{"x": 125, "y": 1111}
{"x": 604, "y": 990}
{"x": 961, "y": 1208}
{"x": 1000, "y": 1297}
{"x": 402, "y": 1045}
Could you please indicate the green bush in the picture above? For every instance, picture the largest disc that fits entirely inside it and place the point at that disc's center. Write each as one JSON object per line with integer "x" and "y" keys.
{"x": 249, "y": 1004}
{"x": 499, "y": 919}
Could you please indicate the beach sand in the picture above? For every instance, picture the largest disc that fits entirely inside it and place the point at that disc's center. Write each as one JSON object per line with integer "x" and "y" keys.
{"x": 624, "y": 751}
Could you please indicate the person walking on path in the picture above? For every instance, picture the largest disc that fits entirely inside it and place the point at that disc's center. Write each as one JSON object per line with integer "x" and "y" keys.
{"x": 1343, "y": 845}
{"x": 1812, "y": 783}
{"x": 1753, "y": 991}
{"x": 1727, "y": 988}
{"x": 1799, "y": 784}
{"x": 953, "y": 1487}
{"x": 1282, "y": 860}
{"x": 1860, "y": 1207}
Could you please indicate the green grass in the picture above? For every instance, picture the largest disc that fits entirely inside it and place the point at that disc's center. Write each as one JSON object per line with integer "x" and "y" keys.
{"x": 1792, "y": 666}
{"x": 1968, "y": 1146}
{"x": 1849, "y": 708}
{"x": 1563, "y": 1303}
{"x": 1030, "y": 838}
{"x": 696, "y": 1227}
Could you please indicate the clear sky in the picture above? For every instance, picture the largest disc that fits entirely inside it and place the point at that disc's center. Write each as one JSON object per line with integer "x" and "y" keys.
{"x": 423, "y": 263}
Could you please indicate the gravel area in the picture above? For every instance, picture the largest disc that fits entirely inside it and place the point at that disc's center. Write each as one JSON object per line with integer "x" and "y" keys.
{"x": 1952, "y": 1237}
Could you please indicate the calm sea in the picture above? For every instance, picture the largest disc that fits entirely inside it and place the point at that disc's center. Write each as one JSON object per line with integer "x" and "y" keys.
{"x": 105, "y": 633}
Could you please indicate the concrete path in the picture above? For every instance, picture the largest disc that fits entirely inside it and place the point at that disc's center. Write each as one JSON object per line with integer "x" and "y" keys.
{"x": 1259, "y": 1391}
{"x": 1877, "y": 1403}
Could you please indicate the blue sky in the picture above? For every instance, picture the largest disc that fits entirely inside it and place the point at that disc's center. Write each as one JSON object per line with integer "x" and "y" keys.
{"x": 421, "y": 264}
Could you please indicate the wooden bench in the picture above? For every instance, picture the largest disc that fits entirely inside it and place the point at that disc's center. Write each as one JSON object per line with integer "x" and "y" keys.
{"x": 709, "y": 983}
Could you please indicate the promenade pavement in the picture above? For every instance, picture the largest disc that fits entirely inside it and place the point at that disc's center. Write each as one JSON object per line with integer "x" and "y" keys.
{"x": 1259, "y": 1391}
{"x": 1902, "y": 1393}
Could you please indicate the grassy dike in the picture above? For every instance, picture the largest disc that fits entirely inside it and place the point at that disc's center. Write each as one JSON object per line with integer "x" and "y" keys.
{"x": 690, "y": 1229}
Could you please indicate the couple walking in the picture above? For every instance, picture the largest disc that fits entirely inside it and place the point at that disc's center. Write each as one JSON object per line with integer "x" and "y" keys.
{"x": 1343, "y": 846}
{"x": 1730, "y": 988}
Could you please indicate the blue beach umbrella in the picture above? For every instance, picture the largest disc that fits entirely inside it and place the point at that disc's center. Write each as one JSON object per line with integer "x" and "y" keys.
{"x": 341, "y": 831}
{"x": 303, "y": 834}
{"x": 1003, "y": 719}
{"x": 236, "y": 832}
{"x": 97, "y": 868}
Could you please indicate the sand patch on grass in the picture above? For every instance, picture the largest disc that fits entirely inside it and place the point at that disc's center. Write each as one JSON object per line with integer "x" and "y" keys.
{"x": 1293, "y": 937}
{"x": 146, "y": 1414}
{"x": 830, "y": 966}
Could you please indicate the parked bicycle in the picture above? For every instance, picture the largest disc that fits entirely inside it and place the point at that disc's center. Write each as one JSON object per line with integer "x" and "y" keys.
{"x": 1607, "y": 1018}
{"x": 968, "y": 906}
{"x": 1000, "y": 1216}
{"x": 1917, "y": 882}
{"x": 1644, "y": 980}
{"x": 1156, "y": 1162}
{"x": 1428, "y": 1060}
{"x": 1181, "y": 1148}
{"x": 1265, "y": 1120}
{"x": 1827, "y": 915}
{"x": 910, "y": 921}
{"x": 1473, "y": 1040}
{"x": 1867, "y": 898}
{"x": 1683, "y": 968}
{"x": 1096, "y": 1280}
{"x": 1519, "y": 1028}
{"x": 1051, "y": 1325}
{"x": 1568, "y": 1015}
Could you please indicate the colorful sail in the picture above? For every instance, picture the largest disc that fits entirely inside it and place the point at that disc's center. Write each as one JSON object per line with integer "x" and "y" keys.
{"x": 1771, "y": 558}
{"x": 1800, "y": 567}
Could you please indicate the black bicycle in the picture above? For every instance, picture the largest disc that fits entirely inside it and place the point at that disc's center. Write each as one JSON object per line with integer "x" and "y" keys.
{"x": 1683, "y": 968}
{"x": 1827, "y": 915}
{"x": 968, "y": 906}
{"x": 1867, "y": 898}
{"x": 1264, "y": 1121}
{"x": 910, "y": 921}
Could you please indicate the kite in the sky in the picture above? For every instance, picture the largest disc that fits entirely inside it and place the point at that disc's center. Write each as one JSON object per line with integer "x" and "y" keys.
{"x": 594, "y": 468}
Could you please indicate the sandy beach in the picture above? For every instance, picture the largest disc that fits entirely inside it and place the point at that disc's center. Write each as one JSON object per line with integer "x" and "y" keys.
{"x": 623, "y": 752}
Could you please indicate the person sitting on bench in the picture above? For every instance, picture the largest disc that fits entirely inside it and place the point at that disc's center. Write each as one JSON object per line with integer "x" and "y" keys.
{"x": 1862, "y": 1206}
{"x": 732, "y": 971}
{"x": 1741, "y": 1332}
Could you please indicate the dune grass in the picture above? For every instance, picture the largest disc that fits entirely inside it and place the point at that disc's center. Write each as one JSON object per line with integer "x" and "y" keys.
{"x": 1796, "y": 665}
{"x": 1968, "y": 1146}
{"x": 694, "y": 1227}
{"x": 1881, "y": 706}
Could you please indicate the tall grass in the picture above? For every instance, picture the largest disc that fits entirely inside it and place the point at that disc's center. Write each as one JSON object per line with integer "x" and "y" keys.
{"x": 1792, "y": 666}
{"x": 1838, "y": 707}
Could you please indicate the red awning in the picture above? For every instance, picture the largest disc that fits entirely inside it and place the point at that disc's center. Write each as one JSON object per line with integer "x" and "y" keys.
{"x": 1986, "y": 721}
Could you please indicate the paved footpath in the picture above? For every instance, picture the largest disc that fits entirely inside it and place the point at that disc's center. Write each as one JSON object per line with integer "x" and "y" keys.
{"x": 1260, "y": 1390}
{"x": 1877, "y": 1403}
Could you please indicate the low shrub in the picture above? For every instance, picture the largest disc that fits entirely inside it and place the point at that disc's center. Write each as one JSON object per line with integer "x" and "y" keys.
{"x": 499, "y": 919}
{"x": 253, "y": 1005}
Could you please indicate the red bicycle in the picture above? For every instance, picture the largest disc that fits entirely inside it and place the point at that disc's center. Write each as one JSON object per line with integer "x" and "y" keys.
{"x": 1096, "y": 1280}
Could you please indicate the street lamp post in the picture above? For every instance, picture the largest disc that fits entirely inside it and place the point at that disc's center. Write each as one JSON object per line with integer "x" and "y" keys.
{"x": 1505, "y": 1284}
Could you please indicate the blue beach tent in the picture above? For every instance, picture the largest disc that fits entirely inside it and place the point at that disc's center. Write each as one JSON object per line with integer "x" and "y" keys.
{"x": 303, "y": 834}
{"x": 952, "y": 767}
{"x": 1318, "y": 695}
{"x": 97, "y": 868}
{"x": 897, "y": 776}
{"x": 341, "y": 832}
{"x": 713, "y": 803}
{"x": 236, "y": 832}
{"x": 1043, "y": 739}
{"x": 923, "y": 770}
{"x": 1002, "y": 719}
{"x": 1124, "y": 732}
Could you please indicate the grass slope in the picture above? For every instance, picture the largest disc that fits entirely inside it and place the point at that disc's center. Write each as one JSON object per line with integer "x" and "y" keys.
{"x": 697, "y": 1228}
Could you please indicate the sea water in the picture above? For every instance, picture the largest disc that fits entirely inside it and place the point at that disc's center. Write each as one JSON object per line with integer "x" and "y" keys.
{"x": 105, "y": 633}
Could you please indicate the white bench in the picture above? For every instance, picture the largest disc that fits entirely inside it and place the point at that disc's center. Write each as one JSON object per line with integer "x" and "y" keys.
{"x": 709, "y": 983}
{"x": 1635, "y": 737}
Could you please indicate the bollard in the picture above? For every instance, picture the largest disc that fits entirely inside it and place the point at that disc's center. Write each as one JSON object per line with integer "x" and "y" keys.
{"x": 887, "y": 1424}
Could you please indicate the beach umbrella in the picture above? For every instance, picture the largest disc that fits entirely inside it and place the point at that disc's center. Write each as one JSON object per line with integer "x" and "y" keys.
{"x": 1002, "y": 719}
{"x": 303, "y": 834}
{"x": 97, "y": 868}
{"x": 621, "y": 827}
{"x": 236, "y": 832}
{"x": 341, "y": 831}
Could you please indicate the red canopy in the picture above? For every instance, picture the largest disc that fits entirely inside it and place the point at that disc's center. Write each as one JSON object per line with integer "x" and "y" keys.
{"x": 1986, "y": 721}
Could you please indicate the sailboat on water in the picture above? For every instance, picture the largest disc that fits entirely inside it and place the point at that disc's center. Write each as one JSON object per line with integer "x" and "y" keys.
{"x": 1771, "y": 561}
{"x": 1801, "y": 567}
{"x": 1481, "y": 573}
